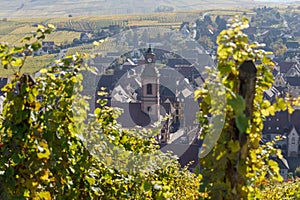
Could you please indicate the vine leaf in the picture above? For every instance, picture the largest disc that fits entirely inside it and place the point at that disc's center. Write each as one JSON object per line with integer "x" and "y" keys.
{"x": 238, "y": 104}
{"x": 241, "y": 122}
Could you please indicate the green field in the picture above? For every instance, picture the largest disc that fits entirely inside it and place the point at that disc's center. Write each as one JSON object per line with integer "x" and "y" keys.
{"x": 32, "y": 65}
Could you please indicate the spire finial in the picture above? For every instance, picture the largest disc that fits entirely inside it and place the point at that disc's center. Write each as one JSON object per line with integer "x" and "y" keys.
{"x": 149, "y": 49}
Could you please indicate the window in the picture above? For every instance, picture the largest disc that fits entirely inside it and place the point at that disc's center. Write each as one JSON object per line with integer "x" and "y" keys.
{"x": 149, "y": 88}
{"x": 293, "y": 140}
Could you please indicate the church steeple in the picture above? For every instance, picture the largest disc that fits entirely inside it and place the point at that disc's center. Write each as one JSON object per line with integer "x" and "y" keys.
{"x": 150, "y": 85}
{"x": 149, "y": 55}
{"x": 149, "y": 49}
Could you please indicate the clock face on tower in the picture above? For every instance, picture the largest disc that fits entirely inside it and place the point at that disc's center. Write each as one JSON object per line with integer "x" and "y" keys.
{"x": 149, "y": 60}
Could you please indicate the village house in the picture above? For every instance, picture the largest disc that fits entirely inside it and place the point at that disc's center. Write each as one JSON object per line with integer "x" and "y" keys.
{"x": 286, "y": 126}
{"x": 85, "y": 36}
{"x": 292, "y": 45}
{"x": 48, "y": 47}
{"x": 283, "y": 124}
{"x": 286, "y": 81}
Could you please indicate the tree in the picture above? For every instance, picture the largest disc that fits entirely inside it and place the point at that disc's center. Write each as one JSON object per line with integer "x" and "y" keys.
{"x": 278, "y": 191}
{"x": 279, "y": 48}
{"x": 237, "y": 164}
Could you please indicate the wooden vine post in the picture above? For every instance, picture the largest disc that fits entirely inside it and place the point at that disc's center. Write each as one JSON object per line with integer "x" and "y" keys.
{"x": 237, "y": 164}
{"x": 247, "y": 83}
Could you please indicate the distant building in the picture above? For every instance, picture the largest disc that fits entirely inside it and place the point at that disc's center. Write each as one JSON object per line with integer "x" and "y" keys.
{"x": 146, "y": 95}
{"x": 138, "y": 82}
{"x": 288, "y": 126}
{"x": 48, "y": 47}
{"x": 114, "y": 29}
{"x": 48, "y": 43}
{"x": 185, "y": 30}
{"x": 284, "y": 67}
{"x": 145, "y": 106}
{"x": 85, "y": 36}
{"x": 292, "y": 45}
{"x": 287, "y": 80}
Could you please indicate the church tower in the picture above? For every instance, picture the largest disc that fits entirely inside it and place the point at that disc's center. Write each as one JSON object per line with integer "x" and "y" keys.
{"x": 293, "y": 143}
{"x": 150, "y": 87}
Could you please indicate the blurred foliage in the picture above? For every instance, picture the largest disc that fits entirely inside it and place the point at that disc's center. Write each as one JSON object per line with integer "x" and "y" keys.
{"x": 288, "y": 190}
{"x": 49, "y": 152}
{"x": 237, "y": 165}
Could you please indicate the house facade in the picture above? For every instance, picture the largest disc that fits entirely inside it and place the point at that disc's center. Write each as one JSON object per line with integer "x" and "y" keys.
{"x": 286, "y": 83}
{"x": 286, "y": 126}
